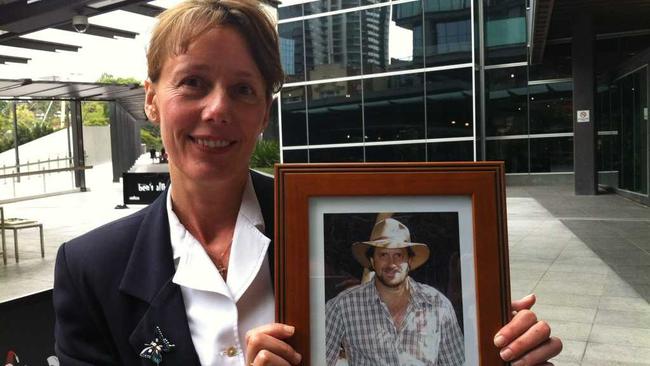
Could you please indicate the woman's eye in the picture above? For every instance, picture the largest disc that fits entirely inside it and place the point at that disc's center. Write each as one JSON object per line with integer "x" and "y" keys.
{"x": 192, "y": 82}
{"x": 245, "y": 90}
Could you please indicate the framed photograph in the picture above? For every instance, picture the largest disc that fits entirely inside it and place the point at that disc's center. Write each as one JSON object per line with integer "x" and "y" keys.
{"x": 392, "y": 263}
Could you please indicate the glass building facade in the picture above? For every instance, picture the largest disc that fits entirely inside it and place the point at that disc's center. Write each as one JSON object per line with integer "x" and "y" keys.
{"x": 443, "y": 80}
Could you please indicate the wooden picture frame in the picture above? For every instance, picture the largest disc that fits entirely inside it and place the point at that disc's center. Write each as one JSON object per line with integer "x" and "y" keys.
{"x": 458, "y": 209}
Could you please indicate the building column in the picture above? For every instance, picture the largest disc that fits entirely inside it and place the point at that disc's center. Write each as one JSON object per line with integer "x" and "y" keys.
{"x": 584, "y": 124}
{"x": 78, "y": 152}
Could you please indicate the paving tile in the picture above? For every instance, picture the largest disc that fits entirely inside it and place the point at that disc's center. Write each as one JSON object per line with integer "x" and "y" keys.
{"x": 561, "y": 299}
{"x": 635, "y": 337}
{"x": 571, "y": 287}
{"x": 572, "y": 353}
{"x": 629, "y": 319}
{"x": 571, "y": 331}
{"x": 557, "y": 313}
{"x": 598, "y": 354}
{"x": 574, "y": 276}
{"x": 634, "y": 304}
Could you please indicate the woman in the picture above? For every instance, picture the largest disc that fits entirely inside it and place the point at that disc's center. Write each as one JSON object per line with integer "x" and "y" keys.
{"x": 187, "y": 280}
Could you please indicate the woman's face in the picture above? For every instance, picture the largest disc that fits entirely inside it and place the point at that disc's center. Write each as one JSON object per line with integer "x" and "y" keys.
{"x": 211, "y": 105}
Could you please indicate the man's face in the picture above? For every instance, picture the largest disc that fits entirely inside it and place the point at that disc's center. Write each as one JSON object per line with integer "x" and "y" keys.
{"x": 391, "y": 266}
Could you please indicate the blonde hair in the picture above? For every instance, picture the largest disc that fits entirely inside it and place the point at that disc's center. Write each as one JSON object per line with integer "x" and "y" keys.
{"x": 180, "y": 25}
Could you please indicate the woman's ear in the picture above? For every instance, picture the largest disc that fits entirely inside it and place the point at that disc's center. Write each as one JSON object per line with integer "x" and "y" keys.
{"x": 150, "y": 108}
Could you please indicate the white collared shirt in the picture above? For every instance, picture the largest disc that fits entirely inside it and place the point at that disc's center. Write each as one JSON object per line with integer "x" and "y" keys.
{"x": 220, "y": 313}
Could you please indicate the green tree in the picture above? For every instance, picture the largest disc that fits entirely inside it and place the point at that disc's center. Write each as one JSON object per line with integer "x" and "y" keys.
{"x": 95, "y": 113}
{"x": 107, "y": 78}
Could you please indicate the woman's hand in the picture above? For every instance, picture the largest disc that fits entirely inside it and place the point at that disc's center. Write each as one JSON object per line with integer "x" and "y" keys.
{"x": 526, "y": 341}
{"x": 265, "y": 346}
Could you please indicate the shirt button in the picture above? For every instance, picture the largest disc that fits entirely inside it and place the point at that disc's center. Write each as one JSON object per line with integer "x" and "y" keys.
{"x": 232, "y": 351}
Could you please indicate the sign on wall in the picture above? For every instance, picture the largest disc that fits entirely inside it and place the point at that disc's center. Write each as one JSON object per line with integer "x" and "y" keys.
{"x": 143, "y": 188}
{"x": 583, "y": 116}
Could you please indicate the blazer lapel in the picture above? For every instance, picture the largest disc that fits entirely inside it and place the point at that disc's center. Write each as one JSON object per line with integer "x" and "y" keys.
{"x": 148, "y": 277}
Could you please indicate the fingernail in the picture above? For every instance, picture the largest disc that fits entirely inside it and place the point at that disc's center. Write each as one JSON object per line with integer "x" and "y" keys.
{"x": 506, "y": 354}
{"x": 518, "y": 363}
{"x": 289, "y": 329}
{"x": 298, "y": 357}
{"x": 499, "y": 340}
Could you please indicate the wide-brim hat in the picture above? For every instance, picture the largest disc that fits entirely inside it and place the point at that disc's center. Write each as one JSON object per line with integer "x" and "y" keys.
{"x": 390, "y": 234}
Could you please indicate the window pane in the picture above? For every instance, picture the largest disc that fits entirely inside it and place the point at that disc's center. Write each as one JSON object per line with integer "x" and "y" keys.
{"x": 555, "y": 65}
{"x": 334, "y": 111}
{"x": 286, "y": 12}
{"x": 551, "y": 155}
{"x": 294, "y": 121}
{"x": 506, "y": 107}
{"x": 551, "y": 108}
{"x": 451, "y": 151}
{"x": 345, "y": 154}
{"x": 447, "y": 32}
{"x": 391, "y": 44}
{"x": 505, "y": 31}
{"x": 449, "y": 103}
{"x": 333, "y": 46}
{"x": 607, "y": 149}
{"x": 513, "y": 152}
{"x": 634, "y": 132}
{"x": 394, "y": 108}
{"x": 323, "y": 6}
{"x": 295, "y": 156}
{"x": 292, "y": 51}
{"x": 410, "y": 152}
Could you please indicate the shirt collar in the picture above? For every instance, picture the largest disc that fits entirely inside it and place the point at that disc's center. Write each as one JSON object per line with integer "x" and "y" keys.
{"x": 195, "y": 269}
{"x": 417, "y": 295}
{"x": 249, "y": 208}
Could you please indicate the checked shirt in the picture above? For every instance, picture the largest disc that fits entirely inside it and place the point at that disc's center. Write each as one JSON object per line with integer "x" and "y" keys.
{"x": 360, "y": 322}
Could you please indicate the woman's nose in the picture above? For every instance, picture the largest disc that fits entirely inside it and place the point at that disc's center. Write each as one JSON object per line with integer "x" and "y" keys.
{"x": 217, "y": 106}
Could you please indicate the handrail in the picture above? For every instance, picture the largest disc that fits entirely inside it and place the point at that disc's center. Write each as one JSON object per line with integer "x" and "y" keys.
{"x": 45, "y": 171}
{"x": 39, "y": 162}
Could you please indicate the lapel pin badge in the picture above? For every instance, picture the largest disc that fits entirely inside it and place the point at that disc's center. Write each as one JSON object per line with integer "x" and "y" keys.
{"x": 154, "y": 349}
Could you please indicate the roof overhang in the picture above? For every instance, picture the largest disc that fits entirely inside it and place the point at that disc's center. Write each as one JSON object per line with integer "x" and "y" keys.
{"x": 131, "y": 97}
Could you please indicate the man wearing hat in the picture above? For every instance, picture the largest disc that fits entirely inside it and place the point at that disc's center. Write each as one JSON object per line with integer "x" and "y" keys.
{"x": 392, "y": 319}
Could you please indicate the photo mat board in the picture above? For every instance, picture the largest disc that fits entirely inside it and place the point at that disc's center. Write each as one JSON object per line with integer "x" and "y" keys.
{"x": 456, "y": 209}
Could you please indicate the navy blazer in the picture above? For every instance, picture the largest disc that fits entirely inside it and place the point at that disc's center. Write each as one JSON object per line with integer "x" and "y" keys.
{"x": 112, "y": 287}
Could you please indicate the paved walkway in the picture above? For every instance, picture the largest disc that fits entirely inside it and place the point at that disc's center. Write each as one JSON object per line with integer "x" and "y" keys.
{"x": 587, "y": 259}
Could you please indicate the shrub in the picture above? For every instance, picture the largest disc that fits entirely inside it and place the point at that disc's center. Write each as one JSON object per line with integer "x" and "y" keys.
{"x": 267, "y": 153}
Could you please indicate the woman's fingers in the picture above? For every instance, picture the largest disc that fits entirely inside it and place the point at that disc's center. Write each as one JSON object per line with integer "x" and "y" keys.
{"x": 526, "y": 302}
{"x": 265, "y": 345}
{"x": 549, "y": 349}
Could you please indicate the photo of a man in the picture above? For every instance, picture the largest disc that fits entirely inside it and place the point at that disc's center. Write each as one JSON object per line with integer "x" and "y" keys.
{"x": 390, "y": 318}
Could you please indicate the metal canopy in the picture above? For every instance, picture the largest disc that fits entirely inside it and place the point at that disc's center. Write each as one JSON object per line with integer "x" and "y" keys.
{"x": 20, "y": 17}
{"x": 553, "y": 20}
{"x": 131, "y": 97}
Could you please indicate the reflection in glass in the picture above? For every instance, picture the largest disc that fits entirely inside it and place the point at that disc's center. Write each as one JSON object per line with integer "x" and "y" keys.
{"x": 402, "y": 152}
{"x": 551, "y": 155}
{"x": 506, "y": 106}
{"x": 333, "y": 46}
{"x": 449, "y": 103}
{"x": 295, "y": 156}
{"x": 294, "y": 119}
{"x": 447, "y": 31}
{"x": 551, "y": 107}
{"x": 292, "y": 11}
{"x": 555, "y": 65}
{"x": 505, "y": 31}
{"x": 389, "y": 44}
{"x": 607, "y": 148}
{"x": 291, "y": 51}
{"x": 334, "y": 111}
{"x": 513, "y": 152}
{"x": 334, "y": 155}
{"x": 323, "y": 6}
{"x": 634, "y": 132}
{"x": 450, "y": 151}
{"x": 394, "y": 108}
